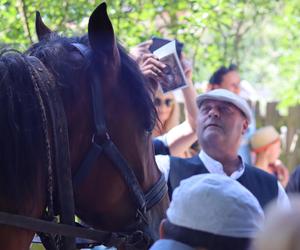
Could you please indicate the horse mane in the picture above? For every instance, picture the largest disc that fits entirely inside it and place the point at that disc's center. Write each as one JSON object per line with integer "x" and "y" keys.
{"x": 66, "y": 69}
{"x": 22, "y": 144}
{"x": 23, "y": 151}
{"x": 139, "y": 89}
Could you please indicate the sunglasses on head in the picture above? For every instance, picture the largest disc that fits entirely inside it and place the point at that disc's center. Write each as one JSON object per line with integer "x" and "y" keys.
{"x": 158, "y": 102}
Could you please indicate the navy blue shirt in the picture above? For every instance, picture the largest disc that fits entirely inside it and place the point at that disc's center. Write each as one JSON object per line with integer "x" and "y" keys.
{"x": 293, "y": 185}
{"x": 160, "y": 148}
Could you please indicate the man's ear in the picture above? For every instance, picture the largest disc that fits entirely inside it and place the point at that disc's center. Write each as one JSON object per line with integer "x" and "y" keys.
{"x": 245, "y": 126}
{"x": 209, "y": 87}
{"x": 161, "y": 229}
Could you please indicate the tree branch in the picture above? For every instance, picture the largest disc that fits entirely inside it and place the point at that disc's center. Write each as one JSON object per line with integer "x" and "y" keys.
{"x": 66, "y": 7}
{"x": 23, "y": 13}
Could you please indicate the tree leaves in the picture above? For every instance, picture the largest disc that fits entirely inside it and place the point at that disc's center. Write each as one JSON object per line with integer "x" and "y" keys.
{"x": 261, "y": 36}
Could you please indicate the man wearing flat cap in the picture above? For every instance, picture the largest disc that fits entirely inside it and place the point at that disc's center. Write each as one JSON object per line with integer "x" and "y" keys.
{"x": 223, "y": 118}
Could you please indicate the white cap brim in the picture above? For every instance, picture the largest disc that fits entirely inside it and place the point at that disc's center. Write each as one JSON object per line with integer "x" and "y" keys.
{"x": 227, "y": 96}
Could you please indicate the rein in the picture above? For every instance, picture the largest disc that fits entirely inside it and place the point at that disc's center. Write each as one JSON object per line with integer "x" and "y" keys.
{"x": 58, "y": 150}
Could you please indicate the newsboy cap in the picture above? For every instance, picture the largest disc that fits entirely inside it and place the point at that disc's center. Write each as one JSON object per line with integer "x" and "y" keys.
{"x": 227, "y": 96}
{"x": 215, "y": 204}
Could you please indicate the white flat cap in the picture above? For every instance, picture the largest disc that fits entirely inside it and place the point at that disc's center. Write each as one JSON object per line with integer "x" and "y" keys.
{"x": 215, "y": 204}
{"x": 227, "y": 96}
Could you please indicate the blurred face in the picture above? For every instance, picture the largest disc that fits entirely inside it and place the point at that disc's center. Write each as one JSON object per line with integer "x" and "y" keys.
{"x": 220, "y": 124}
{"x": 274, "y": 151}
{"x": 164, "y": 105}
{"x": 231, "y": 81}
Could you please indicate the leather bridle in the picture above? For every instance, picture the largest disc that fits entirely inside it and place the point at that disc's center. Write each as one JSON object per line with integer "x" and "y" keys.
{"x": 102, "y": 144}
{"x": 135, "y": 236}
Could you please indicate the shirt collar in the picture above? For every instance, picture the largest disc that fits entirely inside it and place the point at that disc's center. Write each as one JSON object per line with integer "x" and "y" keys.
{"x": 216, "y": 167}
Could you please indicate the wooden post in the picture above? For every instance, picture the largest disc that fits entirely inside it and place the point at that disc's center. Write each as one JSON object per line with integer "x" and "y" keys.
{"x": 272, "y": 115}
{"x": 293, "y": 140}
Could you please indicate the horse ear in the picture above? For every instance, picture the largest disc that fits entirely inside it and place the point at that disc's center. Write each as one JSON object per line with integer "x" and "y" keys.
{"x": 41, "y": 29}
{"x": 101, "y": 34}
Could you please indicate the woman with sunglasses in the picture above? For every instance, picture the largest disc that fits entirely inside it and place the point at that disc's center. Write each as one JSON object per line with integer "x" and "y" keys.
{"x": 171, "y": 136}
{"x": 168, "y": 112}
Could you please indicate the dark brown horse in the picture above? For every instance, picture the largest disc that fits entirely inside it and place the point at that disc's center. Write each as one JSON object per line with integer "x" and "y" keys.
{"x": 103, "y": 198}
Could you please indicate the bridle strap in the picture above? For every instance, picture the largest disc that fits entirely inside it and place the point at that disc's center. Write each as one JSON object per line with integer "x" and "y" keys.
{"x": 156, "y": 193}
{"x": 98, "y": 110}
{"x": 87, "y": 164}
{"x": 97, "y": 101}
{"x": 109, "y": 147}
{"x": 105, "y": 144}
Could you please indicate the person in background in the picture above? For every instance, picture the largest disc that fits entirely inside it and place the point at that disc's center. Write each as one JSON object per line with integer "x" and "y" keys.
{"x": 229, "y": 78}
{"x": 171, "y": 137}
{"x": 266, "y": 145}
{"x": 293, "y": 185}
{"x": 168, "y": 112}
{"x": 212, "y": 212}
{"x": 223, "y": 118}
{"x": 281, "y": 229}
{"x": 226, "y": 78}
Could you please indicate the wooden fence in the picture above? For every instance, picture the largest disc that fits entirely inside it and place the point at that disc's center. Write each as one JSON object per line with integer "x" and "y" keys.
{"x": 288, "y": 125}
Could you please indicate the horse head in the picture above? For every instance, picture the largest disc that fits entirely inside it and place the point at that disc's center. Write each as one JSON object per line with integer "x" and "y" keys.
{"x": 103, "y": 197}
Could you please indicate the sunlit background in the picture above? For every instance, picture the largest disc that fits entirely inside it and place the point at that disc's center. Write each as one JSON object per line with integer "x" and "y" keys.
{"x": 260, "y": 36}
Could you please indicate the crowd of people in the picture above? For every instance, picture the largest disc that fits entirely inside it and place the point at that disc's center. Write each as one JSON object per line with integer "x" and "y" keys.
{"x": 220, "y": 195}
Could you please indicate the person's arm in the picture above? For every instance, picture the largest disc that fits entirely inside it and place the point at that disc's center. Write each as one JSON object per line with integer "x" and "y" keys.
{"x": 181, "y": 137}
{"x": 282, "y": 198}
{"x": 190, "y": 94}
{"x": 280, "y": 171}
{"x": 148, "y": 63}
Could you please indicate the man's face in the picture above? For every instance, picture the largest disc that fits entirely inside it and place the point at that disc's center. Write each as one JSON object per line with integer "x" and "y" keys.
{"x": 231, "y": 81}
{"x": 220, "y": 124}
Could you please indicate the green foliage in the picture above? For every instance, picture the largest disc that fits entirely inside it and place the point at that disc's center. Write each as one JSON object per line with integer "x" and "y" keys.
{"x": 37, "y": 247}
{"x": 261, "y": 36}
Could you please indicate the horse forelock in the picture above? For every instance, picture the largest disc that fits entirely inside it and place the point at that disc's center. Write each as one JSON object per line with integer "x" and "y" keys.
{"x": 55, "y": 54}
{"x": 21, "y": 134}
{"x": 138, "y": 90}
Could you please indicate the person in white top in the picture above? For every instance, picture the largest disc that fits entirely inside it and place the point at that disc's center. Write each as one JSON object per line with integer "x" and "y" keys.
{"x": 223, "y": 118}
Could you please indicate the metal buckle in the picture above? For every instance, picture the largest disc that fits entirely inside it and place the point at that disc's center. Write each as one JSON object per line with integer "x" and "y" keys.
{"x": 137, "y": 240}
{"x": 106, "y": 138}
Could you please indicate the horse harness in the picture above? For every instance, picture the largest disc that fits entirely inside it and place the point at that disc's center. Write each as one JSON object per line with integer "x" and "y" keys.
{"x": 101, "y": 143}
{"x": 104, "y": 144}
